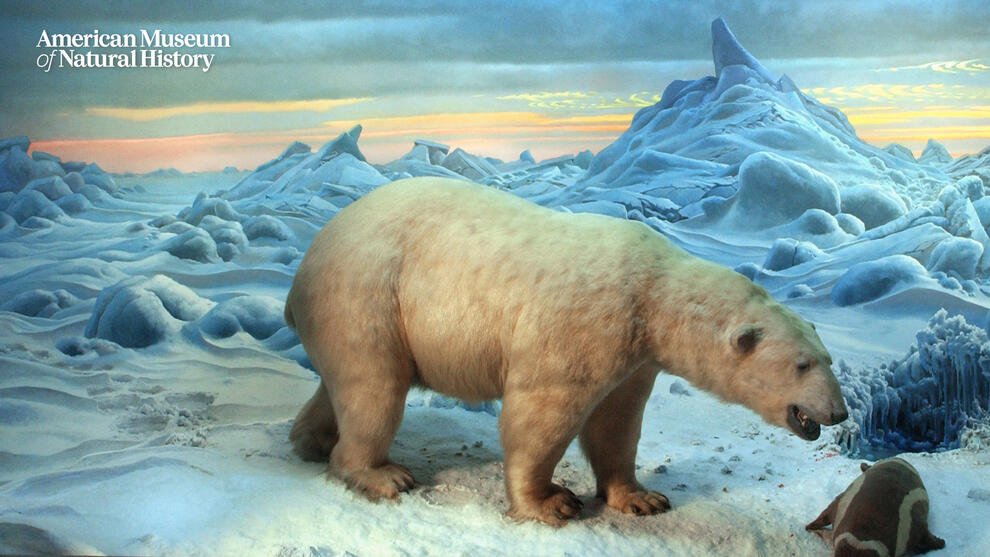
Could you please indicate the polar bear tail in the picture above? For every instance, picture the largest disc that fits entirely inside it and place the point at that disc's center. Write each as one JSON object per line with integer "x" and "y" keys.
{"x": 287, "y": 314}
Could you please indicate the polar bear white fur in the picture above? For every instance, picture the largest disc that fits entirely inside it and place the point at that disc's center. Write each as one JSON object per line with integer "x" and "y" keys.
{"x": 478, "y": 294}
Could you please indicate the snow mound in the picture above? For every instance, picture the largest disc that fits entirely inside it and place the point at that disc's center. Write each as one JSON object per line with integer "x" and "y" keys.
{"x": 40, "y": 303}
{"x": 138, "y": 311}
{"x": 788, "y": 252}
{"x": 873, "y": 205}
{"x": 53, "y": 187}
{"x": 850, "y": 224}
{"x": 259, "y": 316}
{"x": 33, "y": 203}
{"x": 971, "y": 165}
{"x": 39, "y": 189}
{"x": 228, "y": 236}
{"x": 870, "y": 280}
{"x": 195, "y": 244}
{"x": 74, "y": 204}
{"x": 773, "y": 191}
{"x": 971, "y": 187}
{"x": 924, "y": 401}
{"x": 963, "y": 220}
{"x": 204, "y": 205}
{"x": 79, "y": 346}
{"x": 957, "y": 257}
{"x": 266, "y": 226}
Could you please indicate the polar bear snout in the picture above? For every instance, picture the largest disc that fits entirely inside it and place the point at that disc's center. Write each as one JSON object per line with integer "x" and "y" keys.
{"x": 837, "y": 411}
{"x": 821, "y": 403}
{"x": 839, "y": 417}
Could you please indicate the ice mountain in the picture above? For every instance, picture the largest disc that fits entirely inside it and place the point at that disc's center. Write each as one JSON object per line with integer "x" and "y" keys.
{"x": 691, "y": 145}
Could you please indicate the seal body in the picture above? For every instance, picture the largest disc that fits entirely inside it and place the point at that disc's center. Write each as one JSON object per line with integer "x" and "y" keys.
{"x": 883, "y": 513}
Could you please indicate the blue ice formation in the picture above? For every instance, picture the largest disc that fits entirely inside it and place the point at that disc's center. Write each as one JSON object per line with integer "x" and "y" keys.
{"x": 40, "y": 303}
{"x": 873, "y": 204}
{"x": 923, "y": 401}
{"x": 869, "y": 280}
{"x": 139, "y": 311}
{"x": 259, "y": 316}
{"x": 775, "y": 190}
{"x": 38, "y": 190}
{"x": 788, "y": 252}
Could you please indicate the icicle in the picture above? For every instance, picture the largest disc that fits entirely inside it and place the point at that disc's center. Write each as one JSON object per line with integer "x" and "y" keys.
{"x": 924, "y": 401}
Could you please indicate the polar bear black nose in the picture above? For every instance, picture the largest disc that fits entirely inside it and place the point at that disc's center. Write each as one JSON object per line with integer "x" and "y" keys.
{"x": 839, "y": 416}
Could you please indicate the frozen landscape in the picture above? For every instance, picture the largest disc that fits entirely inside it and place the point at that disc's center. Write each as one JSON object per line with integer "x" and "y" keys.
{"x": 148, "y": 381}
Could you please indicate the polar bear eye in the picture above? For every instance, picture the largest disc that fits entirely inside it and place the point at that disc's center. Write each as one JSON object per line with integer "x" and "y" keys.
{"x": 803, "y": 365}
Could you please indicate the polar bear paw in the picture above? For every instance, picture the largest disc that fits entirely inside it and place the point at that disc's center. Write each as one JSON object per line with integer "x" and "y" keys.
{"x": 385, "y": 481}
{"x": 555, "y": 509}
{"x": 639, "y": 502}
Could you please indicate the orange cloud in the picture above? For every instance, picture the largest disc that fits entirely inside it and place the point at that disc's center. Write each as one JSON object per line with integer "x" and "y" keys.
{"x": 491, "y": 123}
{"x": 929, "y": 93}
{"x": 583, "y": 101}
{"x": 940, "y": 133}
{"x": 867, "y": 117}
{"x": 189, "y": 153}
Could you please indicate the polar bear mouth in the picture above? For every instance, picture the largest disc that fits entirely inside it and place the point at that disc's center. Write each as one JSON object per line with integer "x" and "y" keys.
{"x": 801, "y": 424}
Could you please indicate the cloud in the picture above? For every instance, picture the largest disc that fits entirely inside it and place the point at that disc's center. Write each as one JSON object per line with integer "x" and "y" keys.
{"x": 929, "y": 93}
{"x": 950, "y": 66}
{"x": 889, "y": 115}
{"x": 575, "y": 100}
{"x": 923, "y": 133}
{"x": 540, "y": 31}
{"x": 481, "y": 123}
{"x": 160, "y": 113}
{"x": 562, "y": 57}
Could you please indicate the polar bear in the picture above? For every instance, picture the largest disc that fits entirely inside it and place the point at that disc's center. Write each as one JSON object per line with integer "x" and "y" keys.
{"x": 478, "y": 294}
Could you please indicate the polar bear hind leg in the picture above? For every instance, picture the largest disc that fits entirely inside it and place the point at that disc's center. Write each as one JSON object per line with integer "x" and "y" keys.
{"x": 314, "y": 432}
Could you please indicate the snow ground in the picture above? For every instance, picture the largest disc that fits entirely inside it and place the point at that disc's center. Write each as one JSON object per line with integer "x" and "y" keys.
{"x": 182, "y": 447}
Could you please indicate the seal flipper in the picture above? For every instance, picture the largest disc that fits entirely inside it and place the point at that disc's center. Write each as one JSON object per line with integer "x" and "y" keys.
{"x": 828, "y": 515}
{"x": 929, "y": 542}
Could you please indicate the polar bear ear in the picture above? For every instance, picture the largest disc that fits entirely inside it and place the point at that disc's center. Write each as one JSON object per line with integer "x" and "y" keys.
{"x": 746, "y": 337}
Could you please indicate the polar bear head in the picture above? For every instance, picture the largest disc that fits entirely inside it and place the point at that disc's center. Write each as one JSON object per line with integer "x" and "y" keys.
{"x": 782, "y": 370}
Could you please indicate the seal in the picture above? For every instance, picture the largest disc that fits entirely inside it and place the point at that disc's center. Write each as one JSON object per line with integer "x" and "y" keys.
{"x": 883, "y": 513}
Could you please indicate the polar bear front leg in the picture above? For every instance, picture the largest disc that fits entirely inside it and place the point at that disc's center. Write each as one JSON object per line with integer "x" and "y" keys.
{"x": 609, "y": 440}
{"x": 536, "y": 426}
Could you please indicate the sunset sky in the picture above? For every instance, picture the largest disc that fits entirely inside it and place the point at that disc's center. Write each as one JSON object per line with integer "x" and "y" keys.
{"x": 553, "y": 76}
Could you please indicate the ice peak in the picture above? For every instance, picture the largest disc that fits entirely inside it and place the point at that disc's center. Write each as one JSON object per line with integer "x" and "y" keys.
{"x": 726, "y": 51}
{"x": 935, "y": 153}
